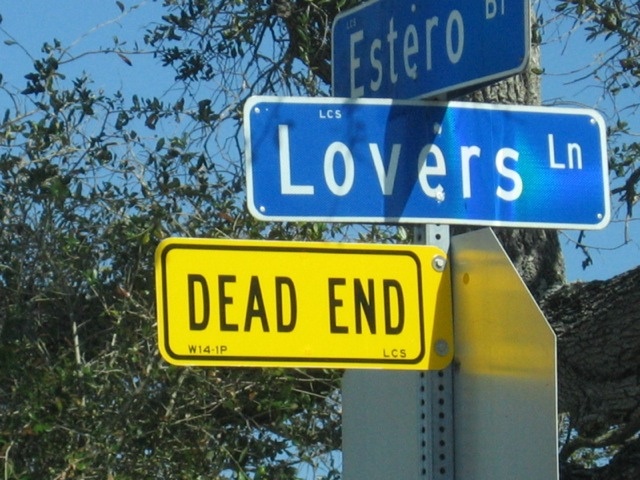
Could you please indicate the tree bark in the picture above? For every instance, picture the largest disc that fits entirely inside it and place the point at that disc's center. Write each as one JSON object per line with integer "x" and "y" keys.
{"x": 599, "y": 361}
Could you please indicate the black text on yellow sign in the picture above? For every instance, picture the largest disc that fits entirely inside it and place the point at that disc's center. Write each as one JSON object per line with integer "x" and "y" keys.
{"x": 300, "y": 304}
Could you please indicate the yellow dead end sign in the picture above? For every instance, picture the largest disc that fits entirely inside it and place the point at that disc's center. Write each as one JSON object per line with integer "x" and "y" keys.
{"x": 301, "y": 304}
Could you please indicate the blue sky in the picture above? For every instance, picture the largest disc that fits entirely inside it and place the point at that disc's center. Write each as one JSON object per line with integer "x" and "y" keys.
{"x": 88, "y": 24}
{"x": 565, "y": 57}
{"x": 85, "y": 26}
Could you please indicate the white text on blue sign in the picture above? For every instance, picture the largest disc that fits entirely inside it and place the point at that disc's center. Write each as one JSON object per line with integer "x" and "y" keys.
{"x": 387, "y": 48}
{"x": 382, "y": 161}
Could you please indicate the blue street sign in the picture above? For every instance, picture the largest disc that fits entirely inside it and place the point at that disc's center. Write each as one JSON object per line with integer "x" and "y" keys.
{"x": 383, "y": 161}
{"x": 423, "y": 48}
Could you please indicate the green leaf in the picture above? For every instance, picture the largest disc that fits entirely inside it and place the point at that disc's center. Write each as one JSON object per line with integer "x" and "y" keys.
{"x": 42, "y": 428}
{"x": 561, "y": 6}
{"x": 125, "y": 59}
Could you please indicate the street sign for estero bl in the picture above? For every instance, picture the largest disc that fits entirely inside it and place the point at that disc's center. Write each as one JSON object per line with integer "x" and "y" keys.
{"x": 410, "y": 49}
{"x": 303, "y": 304}
{"x": 383, "y": 161}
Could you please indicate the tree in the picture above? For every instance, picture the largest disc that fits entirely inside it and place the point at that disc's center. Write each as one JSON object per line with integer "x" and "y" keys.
{"x": 88, "y": 188}
{"x": 90, "y": 184}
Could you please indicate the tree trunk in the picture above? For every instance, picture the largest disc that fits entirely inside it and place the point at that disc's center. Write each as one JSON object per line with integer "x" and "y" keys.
{"x": 599, "y": 367}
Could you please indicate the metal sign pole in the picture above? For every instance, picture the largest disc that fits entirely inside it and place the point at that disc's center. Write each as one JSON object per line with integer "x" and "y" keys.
{"x": 437, "y": 415}
{"x": 399, "y": 424}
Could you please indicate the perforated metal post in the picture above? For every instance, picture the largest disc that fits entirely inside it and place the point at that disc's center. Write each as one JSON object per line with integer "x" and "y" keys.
{"x": 436, "y": 391}
{"x": 400, "y": 424}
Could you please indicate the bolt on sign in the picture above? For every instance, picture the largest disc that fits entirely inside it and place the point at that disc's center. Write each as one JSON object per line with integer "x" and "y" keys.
{"x": 303, "y": 304}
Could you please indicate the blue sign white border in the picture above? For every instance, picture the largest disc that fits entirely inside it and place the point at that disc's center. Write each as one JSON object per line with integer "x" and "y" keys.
{"x": 456, "y": 89}
{"x": 256, "y": 212}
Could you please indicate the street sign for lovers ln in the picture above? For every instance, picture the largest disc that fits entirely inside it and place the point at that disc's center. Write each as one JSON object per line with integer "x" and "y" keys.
{"x": 303, "y": 304}
{"x": 384, "y": 161}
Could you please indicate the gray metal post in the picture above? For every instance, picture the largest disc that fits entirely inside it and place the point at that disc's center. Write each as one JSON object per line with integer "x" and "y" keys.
{"x": 399, "y": 424}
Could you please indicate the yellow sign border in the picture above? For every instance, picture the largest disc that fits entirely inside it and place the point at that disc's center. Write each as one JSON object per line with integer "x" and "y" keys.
{"x": 434, "y": 297}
